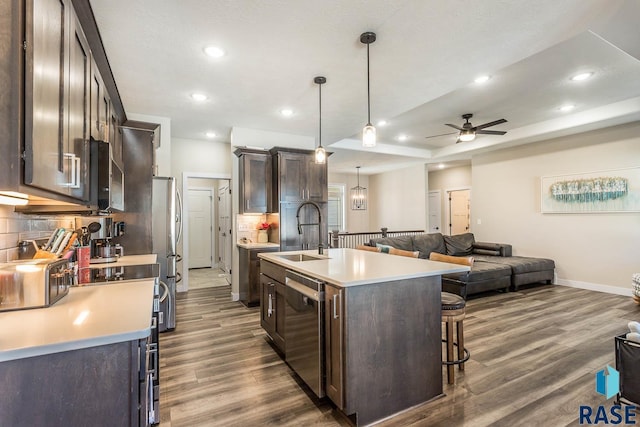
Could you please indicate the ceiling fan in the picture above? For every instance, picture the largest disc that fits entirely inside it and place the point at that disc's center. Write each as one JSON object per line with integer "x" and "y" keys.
{"x": 468, "y": 131}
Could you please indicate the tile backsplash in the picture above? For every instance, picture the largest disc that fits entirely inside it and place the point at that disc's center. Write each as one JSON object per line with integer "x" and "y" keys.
{"x": 248, "y": 226}
{"x": 15, "y": 227}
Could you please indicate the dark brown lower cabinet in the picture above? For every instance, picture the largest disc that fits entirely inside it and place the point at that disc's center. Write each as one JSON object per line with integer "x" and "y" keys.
{"x": 96, "y": 386}
{"x": 249, "y": 274}
{"x": 272, "y": 304}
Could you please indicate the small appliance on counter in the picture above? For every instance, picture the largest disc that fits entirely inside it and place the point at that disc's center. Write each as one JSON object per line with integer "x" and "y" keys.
{"x": 99, "y": 230}
{"x": 33, "y": 283}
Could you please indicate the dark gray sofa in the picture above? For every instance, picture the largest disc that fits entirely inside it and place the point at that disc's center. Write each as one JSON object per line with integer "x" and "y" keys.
{"x": 494, "y": 266}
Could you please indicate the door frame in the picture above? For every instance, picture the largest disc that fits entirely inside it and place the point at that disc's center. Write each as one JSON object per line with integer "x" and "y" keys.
{"x": 183, "y": 286}
{"x": 214, "y": 222}
{"x": 439, "y": 193}
{"x": 447, "y": 207}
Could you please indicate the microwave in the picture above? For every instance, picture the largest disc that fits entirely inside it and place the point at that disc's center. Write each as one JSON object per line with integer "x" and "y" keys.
{"x": 107, "y": 178}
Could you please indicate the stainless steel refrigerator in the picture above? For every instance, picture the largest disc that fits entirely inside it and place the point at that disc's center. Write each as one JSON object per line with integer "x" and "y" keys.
{"x": 166, "y": 230}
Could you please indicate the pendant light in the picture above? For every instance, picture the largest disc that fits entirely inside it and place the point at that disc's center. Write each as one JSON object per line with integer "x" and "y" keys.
{"x": 358, "y": 195}
{"x": 369, "y": 131}
{"x": 321, "y": 154}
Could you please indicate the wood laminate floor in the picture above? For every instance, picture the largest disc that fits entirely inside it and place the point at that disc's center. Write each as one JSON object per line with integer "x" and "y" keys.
{"x": 534, "y": 355}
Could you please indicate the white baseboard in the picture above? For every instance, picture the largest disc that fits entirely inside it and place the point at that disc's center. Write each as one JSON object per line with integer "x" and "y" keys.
{"x": 595, "y": 287}
{"x": 235, "y": 296}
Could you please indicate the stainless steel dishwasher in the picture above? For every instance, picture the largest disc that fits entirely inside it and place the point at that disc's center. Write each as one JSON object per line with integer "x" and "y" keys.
{"x": 304, "y": 328}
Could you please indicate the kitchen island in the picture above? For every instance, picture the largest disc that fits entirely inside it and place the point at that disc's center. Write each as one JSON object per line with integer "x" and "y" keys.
{"x": 80, "y": 361}
{"x": 380, "y": 326}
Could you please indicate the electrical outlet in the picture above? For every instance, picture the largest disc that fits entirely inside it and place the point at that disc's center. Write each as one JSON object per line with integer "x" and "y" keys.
{"x": 479, "y": 221}
{"x": 243, "y": 227}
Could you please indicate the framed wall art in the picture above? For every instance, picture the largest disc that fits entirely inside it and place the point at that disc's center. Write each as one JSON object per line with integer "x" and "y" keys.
{"x": 592, "y": 192}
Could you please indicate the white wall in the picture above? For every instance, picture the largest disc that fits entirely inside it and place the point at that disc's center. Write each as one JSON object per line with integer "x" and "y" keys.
{"x": 449, "y": 179}
{"x": 197, "y": 158}
{"x": 356, "y": 221}
{"x": 597, "y": 251}
{"x": 398, "y": 199}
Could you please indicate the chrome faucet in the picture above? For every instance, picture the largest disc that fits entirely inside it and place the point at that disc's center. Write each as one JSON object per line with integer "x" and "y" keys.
{"x": 319, "y": 223}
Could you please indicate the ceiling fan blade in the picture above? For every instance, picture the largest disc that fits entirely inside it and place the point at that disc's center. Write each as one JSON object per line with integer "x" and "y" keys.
{"x": 486, "y": 125}
{"x": 453, "y": 126}
{"x": 490, "y": 132}
{"x": 442, "y": 134}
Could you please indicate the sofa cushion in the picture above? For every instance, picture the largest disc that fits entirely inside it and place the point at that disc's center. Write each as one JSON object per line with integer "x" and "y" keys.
{"x": 460, "y": 244}
{"x": 520, "y": 264}
{"x": 482, "y": 270}
{"x": 427, "y": 243}
{"x": 400, "y": 242}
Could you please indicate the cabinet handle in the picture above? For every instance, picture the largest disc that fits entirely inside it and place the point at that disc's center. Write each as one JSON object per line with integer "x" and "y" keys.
{"x": 335, "y": 306}
{"x": 270, "y": 308}
{"x": 248, "y": 204}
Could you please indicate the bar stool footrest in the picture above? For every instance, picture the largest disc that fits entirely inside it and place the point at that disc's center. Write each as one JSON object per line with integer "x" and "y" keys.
{"x": 466, "y": 357}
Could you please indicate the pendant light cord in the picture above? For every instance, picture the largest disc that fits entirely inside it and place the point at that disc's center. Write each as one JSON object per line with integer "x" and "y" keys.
{"x": 320, "y": 110}
{"x": 368, "y": 89}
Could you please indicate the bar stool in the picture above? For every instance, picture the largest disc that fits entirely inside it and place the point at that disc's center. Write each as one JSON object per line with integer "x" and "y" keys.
{"x": 453, "y": 313}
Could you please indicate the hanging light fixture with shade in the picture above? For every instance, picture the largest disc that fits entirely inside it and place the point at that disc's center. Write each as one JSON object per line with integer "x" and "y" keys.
{"x": 320, "y": 154}
{"x": 369, "y": 131}
{"x": 358, "y": 195}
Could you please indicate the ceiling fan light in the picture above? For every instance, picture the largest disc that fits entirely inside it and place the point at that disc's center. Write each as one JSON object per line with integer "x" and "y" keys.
{"x": 369, "y": 136}
{"x": 467, "y": 135}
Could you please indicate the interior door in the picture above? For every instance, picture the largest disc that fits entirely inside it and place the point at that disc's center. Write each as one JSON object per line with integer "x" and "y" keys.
{"x": 435, "y": 219}
{"x": 459, "y": 211}
{"x": 224, "y": 227}
{"x": 200, "y": 228}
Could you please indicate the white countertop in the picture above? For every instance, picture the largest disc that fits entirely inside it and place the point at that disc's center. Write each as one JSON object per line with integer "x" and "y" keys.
{"x": 126, "y": 260}
{"x": 87, "y": 317}
{"x": 352, "y": 267}
{"x": 258, "y": 245}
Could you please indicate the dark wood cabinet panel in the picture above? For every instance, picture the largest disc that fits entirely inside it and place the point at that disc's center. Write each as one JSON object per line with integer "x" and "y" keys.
{"x": 77, "y": 154}
{"x": 292, "y": 176}
{"x": 91, "y": 386}
{"x": 298, "y": 177}
{"x": 272, "y": 303}
{"x": 334, "y": 386}
{"x": 312, "y": 235}
{"x": 47, "y": 54}
{"x": 249, "y": 274}
{"x": 255, "y": 181}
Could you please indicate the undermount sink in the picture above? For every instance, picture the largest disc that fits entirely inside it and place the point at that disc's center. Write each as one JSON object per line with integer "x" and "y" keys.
{"x": 301, "y": 257}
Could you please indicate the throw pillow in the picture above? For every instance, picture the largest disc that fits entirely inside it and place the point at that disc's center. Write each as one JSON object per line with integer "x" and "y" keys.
{"x": 384, "y": 248}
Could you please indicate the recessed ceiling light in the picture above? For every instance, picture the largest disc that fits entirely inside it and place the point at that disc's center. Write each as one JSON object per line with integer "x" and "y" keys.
{"x": 402, "y": 137}
{"x": 581, "y": 76}
{"x": 214, "y": 51}
{"x": 382, "y": 123}
{"x": 210, "y": 134}
{"x": 198, "y": 96}
{"x": 441, "y": 166}
{"x": 482, "y": 79}
{"x": 287, "y": 112}
{"x": 567, "y": 107}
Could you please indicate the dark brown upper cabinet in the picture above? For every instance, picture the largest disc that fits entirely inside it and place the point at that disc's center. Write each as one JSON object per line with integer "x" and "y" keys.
{"x": 297, "y": 177}
{"x": 57, "y": 64}
{"x": 255, "y": 180}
